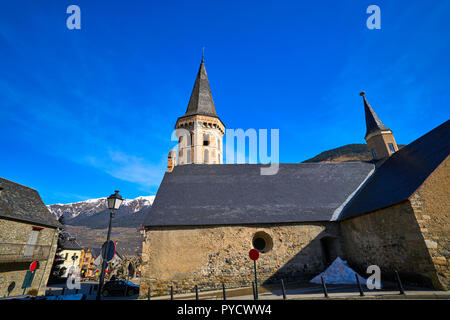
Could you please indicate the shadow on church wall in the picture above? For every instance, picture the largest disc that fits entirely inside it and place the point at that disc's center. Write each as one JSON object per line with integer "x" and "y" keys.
{"x": 311, "y": 260}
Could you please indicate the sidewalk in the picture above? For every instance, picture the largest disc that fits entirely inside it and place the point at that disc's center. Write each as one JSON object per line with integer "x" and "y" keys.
{"x": 57, "y": 289}
{"x": 312, "y": 292}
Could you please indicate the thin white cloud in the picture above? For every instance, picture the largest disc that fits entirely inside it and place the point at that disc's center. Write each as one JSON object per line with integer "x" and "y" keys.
{"x": 128, "y": 168}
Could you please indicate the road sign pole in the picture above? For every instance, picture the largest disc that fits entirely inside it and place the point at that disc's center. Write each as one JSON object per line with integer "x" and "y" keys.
{"x": 256, "y": 280}
{"x": 254, "y": 255}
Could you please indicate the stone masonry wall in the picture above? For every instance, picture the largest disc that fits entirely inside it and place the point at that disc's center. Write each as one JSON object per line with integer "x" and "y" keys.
{"x": 209, "y": 256}
{"x": 431, "y": 204}
{"x": 14, "y": 232}
{"x": 390, "y": 238}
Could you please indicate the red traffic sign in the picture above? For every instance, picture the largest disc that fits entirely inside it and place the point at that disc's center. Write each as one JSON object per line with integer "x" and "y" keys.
{"x": 253, "y": 254}
{"x": 33, "y": 265}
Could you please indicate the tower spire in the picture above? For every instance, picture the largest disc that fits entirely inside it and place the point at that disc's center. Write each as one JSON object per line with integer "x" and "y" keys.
{"x": 373, "y": 122}
{"x": 379, "y": 138}
{"x": 201, "y": 101}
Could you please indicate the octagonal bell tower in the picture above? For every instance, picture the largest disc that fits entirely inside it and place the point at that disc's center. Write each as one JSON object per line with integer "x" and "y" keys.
{"x": 201, "y": 138}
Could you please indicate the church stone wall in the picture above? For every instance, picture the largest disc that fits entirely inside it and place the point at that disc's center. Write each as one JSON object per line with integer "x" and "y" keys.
{"x": 431, "y": 204}
{"x": 391, "y": 239}
{"x": 212, "y": 255}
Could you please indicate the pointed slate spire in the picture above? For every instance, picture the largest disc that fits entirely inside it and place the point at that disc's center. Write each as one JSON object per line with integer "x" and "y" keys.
{"x": 373, "y": 123}
{"x": 201, "y": 101}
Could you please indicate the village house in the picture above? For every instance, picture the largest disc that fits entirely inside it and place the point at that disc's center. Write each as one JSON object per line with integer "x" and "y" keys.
{"x": 28, "y": 232}
{"x": 71, "y": 253}
{"x": 87, "y": 262}
{"x": 393, "y": 211}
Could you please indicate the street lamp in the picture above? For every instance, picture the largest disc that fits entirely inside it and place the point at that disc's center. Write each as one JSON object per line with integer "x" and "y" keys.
{"x": 114, "y": 202}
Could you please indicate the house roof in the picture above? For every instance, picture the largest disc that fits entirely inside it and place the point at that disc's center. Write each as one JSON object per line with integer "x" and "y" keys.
{"x": 201, "y": 101}
{"x": 69, "y": 244}
{"x": 23, "y": 203}
{"x": 239, "y": 194}
{"x": 398, "y": 178}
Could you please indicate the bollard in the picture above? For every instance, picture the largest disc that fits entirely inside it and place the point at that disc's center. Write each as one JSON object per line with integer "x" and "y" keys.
{"x": 76, "y": 291}
{"x": 196, "y": 292}
{"x": 361, "y": 292}
{"x": 148, "y": 297}
{"x": 171, "y": 292}
{"x": 63, "y": 289}
{"x": 254, "y": 293}
{"x": 283, "y": 289}
{"x": 223, "y": 292}
{"x": 90, "y": 290}
{"x": 399, "y": 282}
{"x": 324, "y": 287}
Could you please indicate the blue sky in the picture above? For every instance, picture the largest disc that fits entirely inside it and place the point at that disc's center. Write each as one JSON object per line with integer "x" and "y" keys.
{"x": 85, "y": 112}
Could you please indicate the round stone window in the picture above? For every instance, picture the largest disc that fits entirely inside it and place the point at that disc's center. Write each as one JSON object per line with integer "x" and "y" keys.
{"x": 262, "y": 242}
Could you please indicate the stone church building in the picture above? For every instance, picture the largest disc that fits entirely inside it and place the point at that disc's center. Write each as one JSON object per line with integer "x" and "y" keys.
{"x": 392, "y": 211}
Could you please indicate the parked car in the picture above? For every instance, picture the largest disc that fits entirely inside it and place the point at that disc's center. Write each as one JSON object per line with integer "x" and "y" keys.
{"x": 119, "y": 287}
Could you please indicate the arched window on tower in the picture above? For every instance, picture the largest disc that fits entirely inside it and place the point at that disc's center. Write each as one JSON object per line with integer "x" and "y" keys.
{"x": 188, "y": 139}
{"x": 206, "y": 156}
{"x": 206, "y": 139}
{"x": 188, "y": 155}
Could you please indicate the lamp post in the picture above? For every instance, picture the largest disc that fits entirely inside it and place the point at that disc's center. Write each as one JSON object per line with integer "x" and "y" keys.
{"x": 114, "y": 202}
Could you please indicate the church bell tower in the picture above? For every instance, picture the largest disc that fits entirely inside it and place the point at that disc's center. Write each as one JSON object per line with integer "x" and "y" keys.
{"x": 380, "y": 139}
{"x": 200, "y": 131}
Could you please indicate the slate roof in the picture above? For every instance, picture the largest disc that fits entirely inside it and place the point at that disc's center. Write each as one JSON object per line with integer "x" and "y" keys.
{"x": 232, "y": 194}
{"x": 69, "y": 244}
{"x": 201, "y": 101}
{"x": 398, "y": 178}
{"x": 23, "y": 203}
{"x": 373, "y": 122}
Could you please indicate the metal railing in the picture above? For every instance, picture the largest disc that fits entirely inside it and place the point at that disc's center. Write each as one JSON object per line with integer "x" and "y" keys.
{"x": 17, "y": 252}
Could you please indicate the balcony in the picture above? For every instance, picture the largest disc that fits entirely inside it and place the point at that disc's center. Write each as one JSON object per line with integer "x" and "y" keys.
{"x": 16, "y": 252}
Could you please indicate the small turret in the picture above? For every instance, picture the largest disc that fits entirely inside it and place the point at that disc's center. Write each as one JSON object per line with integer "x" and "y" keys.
{"x": 171, "y": 160}
{"x": 380, "y": 139}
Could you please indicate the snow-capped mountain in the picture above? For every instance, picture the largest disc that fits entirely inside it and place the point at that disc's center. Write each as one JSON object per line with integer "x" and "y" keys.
{"x": 92, "y": 212}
